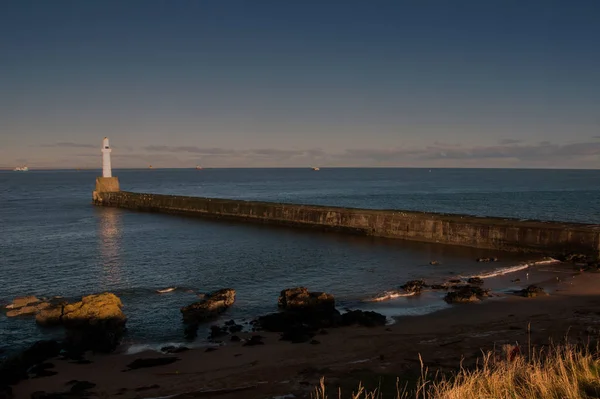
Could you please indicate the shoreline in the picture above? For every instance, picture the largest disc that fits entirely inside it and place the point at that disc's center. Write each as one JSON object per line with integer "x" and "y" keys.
{"x": 442, "y": 338}
{"x": 430, "y": 302}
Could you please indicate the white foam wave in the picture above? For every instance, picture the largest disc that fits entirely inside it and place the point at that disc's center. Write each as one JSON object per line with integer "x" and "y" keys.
{"x": 387, "y": 295}
{"x": 511, "y": 269}
{"x": 156, "y": 347}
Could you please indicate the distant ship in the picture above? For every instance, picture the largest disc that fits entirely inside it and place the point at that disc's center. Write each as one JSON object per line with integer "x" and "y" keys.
{"x": 198, "y": 167}
{"x": 21, "y": 169}
{"x": 150, "y": 167}
{"x": 315, "y": 168}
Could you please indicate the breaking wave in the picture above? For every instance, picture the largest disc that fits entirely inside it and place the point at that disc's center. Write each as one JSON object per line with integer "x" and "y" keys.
{"x": 387, "y": 295}
{"x": 511, "y": 269}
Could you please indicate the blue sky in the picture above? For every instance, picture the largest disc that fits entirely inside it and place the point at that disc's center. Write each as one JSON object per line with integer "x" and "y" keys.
{"x": 233, "y": 83}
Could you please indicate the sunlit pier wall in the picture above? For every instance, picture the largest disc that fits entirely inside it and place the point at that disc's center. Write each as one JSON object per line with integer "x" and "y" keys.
{"x": 478, "y": 232}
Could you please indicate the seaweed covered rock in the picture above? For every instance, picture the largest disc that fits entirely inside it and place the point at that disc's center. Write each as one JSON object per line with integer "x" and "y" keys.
{"x": 211, "y": 306}
{"x": 466, "y": 294}
{"x": 414, "y": 286}
{"x": 301, "y": 299}
{"x": 532, "y": 291}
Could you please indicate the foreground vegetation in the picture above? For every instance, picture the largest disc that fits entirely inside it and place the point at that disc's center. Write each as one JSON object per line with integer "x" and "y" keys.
{"x": 559, "y": 371}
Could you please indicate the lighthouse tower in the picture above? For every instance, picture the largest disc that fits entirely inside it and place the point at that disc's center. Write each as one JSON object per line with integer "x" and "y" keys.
{"x": 107, "y": 183}
{"x": 106, "y": 168}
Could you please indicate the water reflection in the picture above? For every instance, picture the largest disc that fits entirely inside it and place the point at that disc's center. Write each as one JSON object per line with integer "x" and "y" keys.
{"x": 109, "y": 241}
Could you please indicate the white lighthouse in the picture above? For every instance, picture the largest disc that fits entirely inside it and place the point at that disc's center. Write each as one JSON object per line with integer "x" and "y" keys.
{"x": 107, "y": 183}
{"x": 106, "y": 168}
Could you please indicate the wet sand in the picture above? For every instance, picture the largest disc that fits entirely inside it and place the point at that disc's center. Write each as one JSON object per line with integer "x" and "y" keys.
{"x": 345, "y": 355}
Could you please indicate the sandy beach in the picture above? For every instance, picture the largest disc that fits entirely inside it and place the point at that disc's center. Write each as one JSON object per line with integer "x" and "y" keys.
{"x": 343, "y": 355}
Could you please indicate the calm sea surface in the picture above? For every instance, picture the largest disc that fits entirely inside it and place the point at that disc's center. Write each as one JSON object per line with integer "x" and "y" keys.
{"x": 54, "y": 242}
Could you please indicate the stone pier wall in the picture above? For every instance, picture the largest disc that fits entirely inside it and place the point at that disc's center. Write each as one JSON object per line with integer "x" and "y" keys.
{"x": 479, "y": 232}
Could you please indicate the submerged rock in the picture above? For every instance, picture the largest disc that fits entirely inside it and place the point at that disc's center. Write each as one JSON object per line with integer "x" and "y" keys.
{"x": 22, "y": 301}
{"x": 532, "y": 291}
{"x": 28, "y": 310}
{"x": 465, "y": 294}
{"x": 211, "y": 306}
{"x": 414, "y": 286}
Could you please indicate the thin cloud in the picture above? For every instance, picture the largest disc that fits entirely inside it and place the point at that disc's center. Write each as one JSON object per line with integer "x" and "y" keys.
{"x": 68, "y": 144}
{"x": 510, "y": 141}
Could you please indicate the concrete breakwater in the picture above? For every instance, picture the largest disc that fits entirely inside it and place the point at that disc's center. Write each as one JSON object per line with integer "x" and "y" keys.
{"x": 478, "y": 232}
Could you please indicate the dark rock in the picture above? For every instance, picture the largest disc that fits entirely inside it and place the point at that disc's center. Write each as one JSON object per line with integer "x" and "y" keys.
{"x": 532, "y": 291}
{"x": 323, "y": 332}
{"x": 151, "y": 362}
{"x": 438, "y": 287}
{"x": 81, "y": 386}
{"x": 300, "y": 299}
{"x": 467, "y": 293}
{"x": 314, "y": 342}
{"x": 15, "y": 368}
{"x": 6, "y": 392}
{"x": 515, "y": 280}
{"x": 414, "y": 286}
{"x": 174, "y": 349}
{"x": 210, "y": 349}
{"x": 230, "y": 323}
{"x": 573, "y": 257}
{"x": 475, "y": 281}
{"x": 190, "y": 331}
{"x": 210, "y": 307}
{"x": 217, "y": 332}
{"x": 363, "y": 318}
{"x": 254, "y": 340}
{"x": 235, "y": 338}
{"x": 455, "y": 281}
{"x": 236, "y": 328}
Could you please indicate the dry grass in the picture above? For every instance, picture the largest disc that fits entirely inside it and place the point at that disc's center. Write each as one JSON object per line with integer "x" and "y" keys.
{"x": 560, "y": 371}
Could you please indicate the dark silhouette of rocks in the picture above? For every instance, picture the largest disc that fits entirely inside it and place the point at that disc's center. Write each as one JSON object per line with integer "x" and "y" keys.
{"x": 532, "y": 291}
{"x": 465, "y": 294}
{"x": 303, "y": 314}
{"x": 475, "y": 281}
{"x": 414, "y": 286}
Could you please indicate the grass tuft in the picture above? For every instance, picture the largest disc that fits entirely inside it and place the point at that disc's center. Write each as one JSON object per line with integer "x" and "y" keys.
{"x": 559, "y": 371}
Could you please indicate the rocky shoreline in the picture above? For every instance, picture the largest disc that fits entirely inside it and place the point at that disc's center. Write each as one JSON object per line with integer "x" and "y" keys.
{"x": 96, "y": 323}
